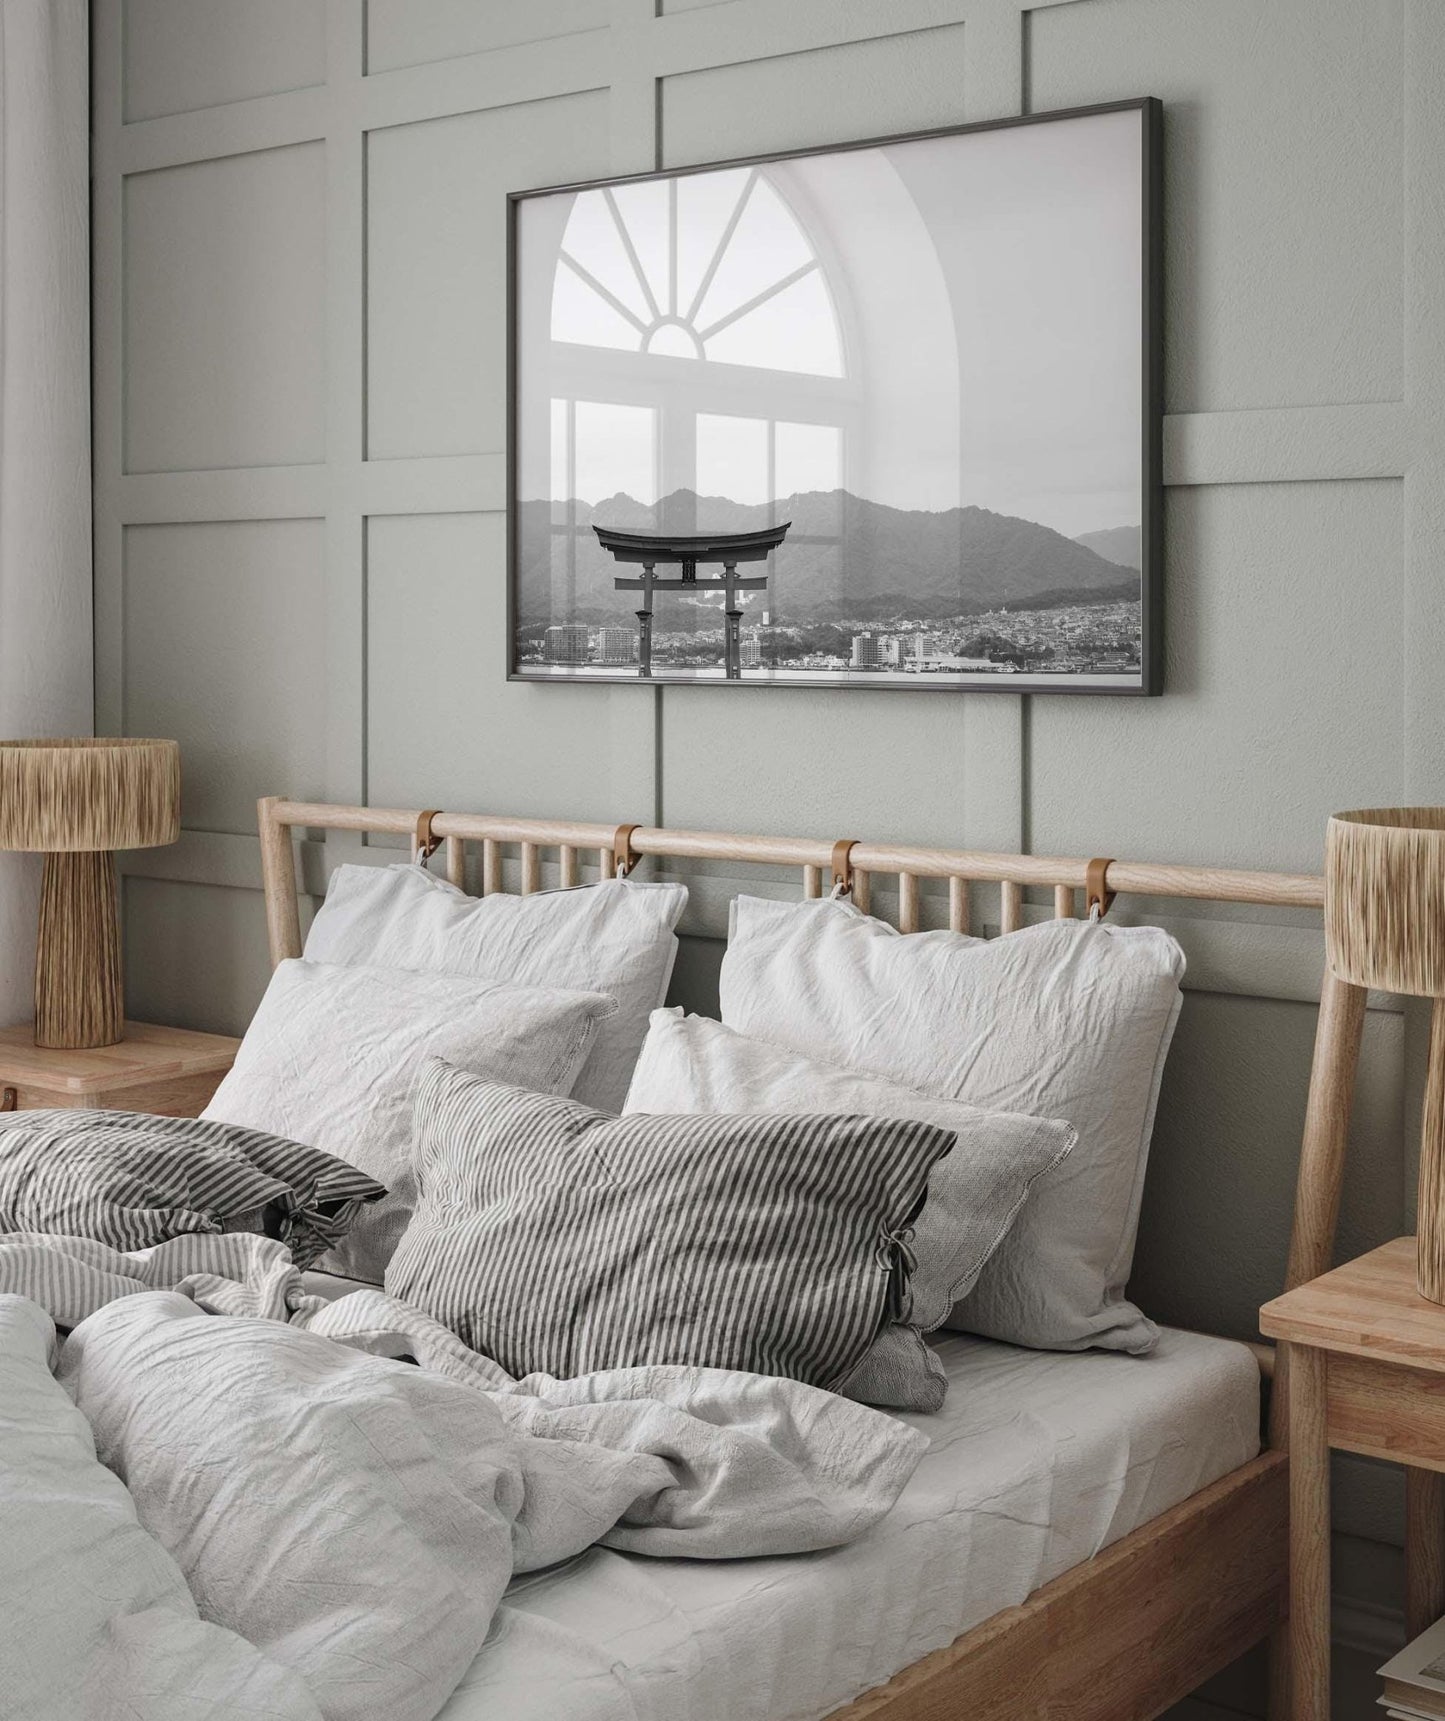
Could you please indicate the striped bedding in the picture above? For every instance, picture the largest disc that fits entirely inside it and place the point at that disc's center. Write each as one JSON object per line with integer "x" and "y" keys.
{"x": 558, "y": 1239}
{"x": 131, "y": 1179}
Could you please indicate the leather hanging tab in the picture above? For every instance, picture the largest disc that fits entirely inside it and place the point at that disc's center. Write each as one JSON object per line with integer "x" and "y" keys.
{"x": 1097, "y": 895}
{"x": 623, "y": 858}
{"x": 425, "y": 845}
{"x": 842, "y": 868}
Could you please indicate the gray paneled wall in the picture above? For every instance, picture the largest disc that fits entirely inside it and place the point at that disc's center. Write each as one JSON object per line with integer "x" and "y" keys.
{"x": 299, "y": 294}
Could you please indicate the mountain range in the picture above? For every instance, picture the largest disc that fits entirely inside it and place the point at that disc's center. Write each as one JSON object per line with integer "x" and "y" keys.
{"x": 845, "y": 558}
{"x": 1119, "y": 544}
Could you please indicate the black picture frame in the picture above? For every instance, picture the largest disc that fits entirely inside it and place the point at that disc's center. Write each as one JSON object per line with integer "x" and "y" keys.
{"x": 1150, "y": 677}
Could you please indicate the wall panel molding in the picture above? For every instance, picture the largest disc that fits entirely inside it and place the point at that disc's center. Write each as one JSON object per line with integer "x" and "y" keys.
{"x": 502, "y": 77}
{"x": 1310, "y": 444}
{"x": 1289, "y": 444}
{"x": 235, "y": 128}
{"x": 229, "y": 493}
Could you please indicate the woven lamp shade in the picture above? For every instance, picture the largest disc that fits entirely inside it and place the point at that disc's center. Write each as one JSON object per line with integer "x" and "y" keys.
{"x": 77, "y": 802}
{"x": 1385, "y": 899}
{"x": 1385, "y": 927}
{"x": 64, "y": 797}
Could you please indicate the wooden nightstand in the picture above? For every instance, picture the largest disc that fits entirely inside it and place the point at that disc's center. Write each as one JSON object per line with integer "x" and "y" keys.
{"x": 170, "y": 1070}
{"x": 1365, "y": 1372}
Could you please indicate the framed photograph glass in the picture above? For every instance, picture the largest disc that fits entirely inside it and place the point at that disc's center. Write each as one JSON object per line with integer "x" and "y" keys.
{"x": 881, "y": 415}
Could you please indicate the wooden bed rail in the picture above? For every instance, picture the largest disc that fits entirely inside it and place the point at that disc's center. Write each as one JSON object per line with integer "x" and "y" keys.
{"x": 813, "y": 855}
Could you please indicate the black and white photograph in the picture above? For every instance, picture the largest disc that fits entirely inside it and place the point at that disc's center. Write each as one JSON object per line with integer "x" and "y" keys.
{"x": 920, "y": 367}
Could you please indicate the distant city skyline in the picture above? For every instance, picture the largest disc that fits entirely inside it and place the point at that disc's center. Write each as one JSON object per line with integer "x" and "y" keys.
{"x": 1103, "y": 640}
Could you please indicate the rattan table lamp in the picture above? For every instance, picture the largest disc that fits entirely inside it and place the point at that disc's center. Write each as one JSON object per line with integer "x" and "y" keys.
{"x": 1385, "y": 927}
{"x": 77, "y": 802}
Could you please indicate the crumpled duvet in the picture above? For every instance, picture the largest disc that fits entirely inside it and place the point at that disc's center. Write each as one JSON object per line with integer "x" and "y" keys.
{"x": 328, "y": 1522}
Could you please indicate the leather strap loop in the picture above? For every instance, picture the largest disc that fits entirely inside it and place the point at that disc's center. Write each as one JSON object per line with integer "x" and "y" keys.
{"x": 842, "y": 867}
{"x": 1097, "y": 894}
{"x": 425, "y": 844}
{"x": 623, "y": 858}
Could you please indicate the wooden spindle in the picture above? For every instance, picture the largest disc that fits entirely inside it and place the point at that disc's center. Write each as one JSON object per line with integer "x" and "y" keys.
{"x": 908, "y": 902}
{"x": 492, "y": 881}
{"x": 531, "y": 869}
{"x": 958, "y": 904}
{"x": 607, "y": 863}
{"x": 862, "y": 891}
{"x": 570, "y": 872}
{"x": 457, "y": 862}
{"x": 1011, "y": 906}
{"x": 812, "y": 881}
{"x": 1063, "y": 902}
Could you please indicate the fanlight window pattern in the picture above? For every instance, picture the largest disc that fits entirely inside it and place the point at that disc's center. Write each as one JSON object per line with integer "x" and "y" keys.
{"x": 709, "y": 266}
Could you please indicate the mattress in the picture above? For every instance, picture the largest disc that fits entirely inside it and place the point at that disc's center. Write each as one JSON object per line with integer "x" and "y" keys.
{"x": 1037, "y": 1462}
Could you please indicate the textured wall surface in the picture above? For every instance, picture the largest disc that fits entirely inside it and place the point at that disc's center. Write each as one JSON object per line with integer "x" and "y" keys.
{"x": 300, "y": 490}
{"x": 45, "y": 616}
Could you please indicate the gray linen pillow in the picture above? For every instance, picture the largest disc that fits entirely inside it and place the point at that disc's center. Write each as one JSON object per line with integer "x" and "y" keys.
{"x": 693, "y": 1064}
{"x": 558, "y": 1240}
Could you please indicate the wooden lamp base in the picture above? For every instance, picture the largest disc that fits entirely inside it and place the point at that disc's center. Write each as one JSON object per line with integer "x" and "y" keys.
{"x": 79, "y": 998}
{"x": 1430, "y": 1224}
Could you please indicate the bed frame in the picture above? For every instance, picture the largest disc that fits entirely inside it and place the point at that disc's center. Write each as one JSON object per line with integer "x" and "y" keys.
{"x": 1126, "y": 1634}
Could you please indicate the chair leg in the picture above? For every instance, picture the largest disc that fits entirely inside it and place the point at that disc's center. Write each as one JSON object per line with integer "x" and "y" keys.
{"x": 1309, "y": 1538}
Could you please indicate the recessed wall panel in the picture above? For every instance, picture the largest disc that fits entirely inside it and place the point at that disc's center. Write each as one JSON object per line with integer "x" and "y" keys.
{"x": 187, "y": 54}
{"x": 444, "y": 726}
{"x": 829, "y": 95}
{"x": 196, "y": 955}
{"x": 417, "y": 32}
{"x": 224, "y": 312}
{"x": 1284, "y": 185}
{"x": 885, "y": 765}
{"x": 224, "y": 650}
{"x": 1231, "y": 1113}
{"x": 1284, "y": 614}
{"x": 436, "y": 264}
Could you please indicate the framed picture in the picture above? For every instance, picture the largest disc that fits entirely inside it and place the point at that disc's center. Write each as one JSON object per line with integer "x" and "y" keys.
{"x": 882, "y": 415}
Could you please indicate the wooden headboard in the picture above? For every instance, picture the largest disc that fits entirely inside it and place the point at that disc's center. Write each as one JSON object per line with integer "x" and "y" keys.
{"x": 589, "y": 846}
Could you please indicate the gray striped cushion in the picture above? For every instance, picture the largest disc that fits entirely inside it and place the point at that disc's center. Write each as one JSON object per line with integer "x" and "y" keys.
{"x": 130, "y": 1179}
{"x": 558, "y": 1240}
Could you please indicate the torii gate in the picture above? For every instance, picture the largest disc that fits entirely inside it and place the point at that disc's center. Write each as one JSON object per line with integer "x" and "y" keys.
{"x": 729, "y": 548}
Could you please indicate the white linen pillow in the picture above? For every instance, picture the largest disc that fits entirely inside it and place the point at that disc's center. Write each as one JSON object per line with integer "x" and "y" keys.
{"x": 615, "y": 937}
{"x": 1066, "y": 1019}
{"x": 332, "y": 1053}
{"x": 975, "y": 1192}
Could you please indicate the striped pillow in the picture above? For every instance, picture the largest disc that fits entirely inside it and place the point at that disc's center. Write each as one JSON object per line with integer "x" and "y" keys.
{"x": 130, "y": 1180}
{"x": 559, "y": 1240}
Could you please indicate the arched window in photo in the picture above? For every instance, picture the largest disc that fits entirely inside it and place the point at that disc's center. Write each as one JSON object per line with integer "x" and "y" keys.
{"x": 662, "y": 292}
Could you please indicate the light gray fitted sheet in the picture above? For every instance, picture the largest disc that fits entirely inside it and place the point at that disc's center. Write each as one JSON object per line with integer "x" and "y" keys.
{"x": 1038, "y": 1461}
